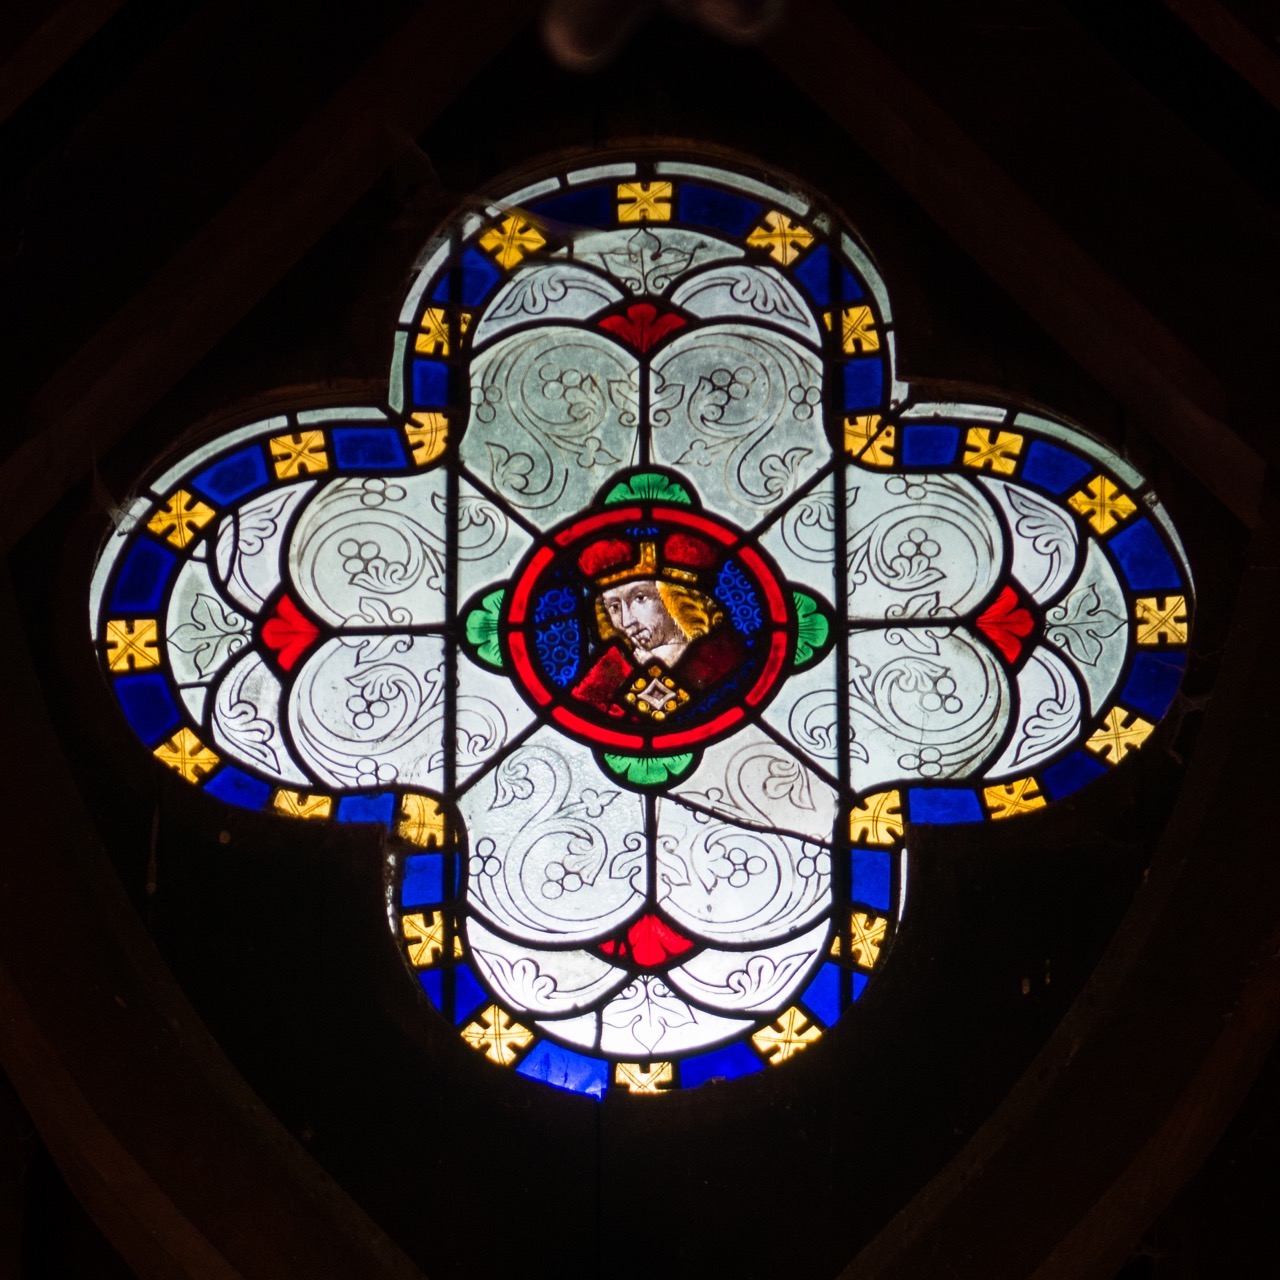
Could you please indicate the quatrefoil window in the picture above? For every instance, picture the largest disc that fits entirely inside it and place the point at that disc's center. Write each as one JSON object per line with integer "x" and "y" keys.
{"x": 648, "y": 613}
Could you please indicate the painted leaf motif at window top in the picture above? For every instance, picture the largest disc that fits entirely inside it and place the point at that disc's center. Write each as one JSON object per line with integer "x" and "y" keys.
{"x": 668, "y": 602}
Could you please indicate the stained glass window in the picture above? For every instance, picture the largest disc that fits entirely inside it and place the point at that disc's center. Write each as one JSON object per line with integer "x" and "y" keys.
{"x": 649, "y": 613}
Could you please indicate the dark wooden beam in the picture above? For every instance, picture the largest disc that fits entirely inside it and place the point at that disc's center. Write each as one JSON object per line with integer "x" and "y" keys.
{"x": 231, "y": 263}
{"x": 1233, "y": 42}
{"x": 1157, "y": 378}
{"x": 46, "y": 48}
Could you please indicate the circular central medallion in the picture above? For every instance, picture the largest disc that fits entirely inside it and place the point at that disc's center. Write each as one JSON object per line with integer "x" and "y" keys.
{"x": 649, "y": 627}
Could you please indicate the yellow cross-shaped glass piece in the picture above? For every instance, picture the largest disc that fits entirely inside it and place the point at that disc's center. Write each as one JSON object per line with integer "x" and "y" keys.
{"x": 639, "y": 1079}
{"x": 511, "y": 241}
{"x": 424, "y": 938}
{"x": 421, "y": 821}
{"x": 298, "y": 804}
{"x": 859, "y": 432}
{"x": 299, "y": 454}
{"x": 1020, "y": 796}
{"x": 497, "y": 1035}
{"x": 786, "y": 1037}
{"x": 879, "y": 453}
{"x": 187, "y": 755}
{"x": 426, "y": 433}
{"x": 858, "y": 332}
{"x": 434, "y": 336}
{"x": 994, "y": 450}
{"x": 181, "y": 518}
{"x": 866, "y": 937}
{"x": 1161, "y": 620}
{"x": 132, "y": 645}
{"x": 1121, "y": 732}
{"x": 877, "y": 819}
{"x": 644, "y": 201}
{"x": 784, "y": 240}
{"x": 1103, "y": 503}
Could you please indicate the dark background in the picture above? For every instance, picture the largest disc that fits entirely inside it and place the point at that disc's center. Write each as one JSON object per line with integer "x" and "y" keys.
{"x": 1156, "y": 156}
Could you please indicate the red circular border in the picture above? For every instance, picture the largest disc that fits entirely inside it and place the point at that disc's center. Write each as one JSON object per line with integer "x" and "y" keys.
{"x": 515, "y": 617}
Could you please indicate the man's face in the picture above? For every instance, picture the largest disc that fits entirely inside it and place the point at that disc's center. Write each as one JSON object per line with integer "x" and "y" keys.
{"x": 636, "y": 609}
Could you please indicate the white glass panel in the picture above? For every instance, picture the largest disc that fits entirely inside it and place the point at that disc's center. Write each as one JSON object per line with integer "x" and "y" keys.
{"x": 246, "y": 721}
{"x": 920, "y": 546}
{"x": 805, "y": 712}
{"x": 649, "y": 260}
{"x": 367, "y": 711}
{"x": 751, "y": 293}
{"x": 489, "y": 715}
{"x": 1088, "y": 626}
{"x": 751, "y": 981}
{"x": 557, "y": 849}
{"x": 926, "y": 703}
{"x": 751, "y": 779}
{"x": 549, "y": 982}
{"x": 739, "y": 410}
{"x": 803, "y": 540}
{"x": 1050, "y": 706}
{"x": 1044, "y": 539}
{"x": 722, "y": 881}
{"x": 647, "y": 1019}
{"x": 490, "y": 543}
{"x": 248, "y": 543}
{"x": 554, "y": 414}
{"x": 546, "y": 291}
{"x": 202, "y": 631}
{"x": 368, "y": 551}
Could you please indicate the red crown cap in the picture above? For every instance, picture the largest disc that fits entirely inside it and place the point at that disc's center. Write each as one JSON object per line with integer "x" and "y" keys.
{"x": 608, "y": 553}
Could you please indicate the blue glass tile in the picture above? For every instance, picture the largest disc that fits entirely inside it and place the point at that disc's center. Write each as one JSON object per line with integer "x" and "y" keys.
{"x": 863, "y": 383}
{"x": 479, "y": 275}
{"x": 243, "y": 790}
{"x": 586, "y": 207}
{"x": 430, "y": 382}
{"x": 358, "y": 447}
{"x": 720, "y": 1064}
{"x": 564, "y": 1069}
{"x": 872, "y": 878}
{"x": 233, "y": 476}
{"x": 468, "y": 994}
{"x": 1143, "y": 558}
{"x": 140, "y": 585}
{"x": 559, "y": 646}
{"x": 367, "y": 808}
{"x": 944, "y": 804}
{"x": 423, "y": 881}
{"x": 931, "y": 446}
{"x": 432, "y": 982}
{"x": 1153, "y": 682}
{"x": 1076, "y": 771}
{"x": 814, "y": 273}
{"x": 1053, "y": 468}
{"x": 560, "y": 602}
{"x": 850, "y": 289}
{"x": 148, "y": 706}
{"x": 734, "y": 591}
{"x": 707, "y": 207}
{"x": 822, "y": 995}
{"x": 860, "y": 981}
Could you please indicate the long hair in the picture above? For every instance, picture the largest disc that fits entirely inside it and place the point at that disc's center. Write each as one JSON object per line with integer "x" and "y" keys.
{"x": 693, "y": 612}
